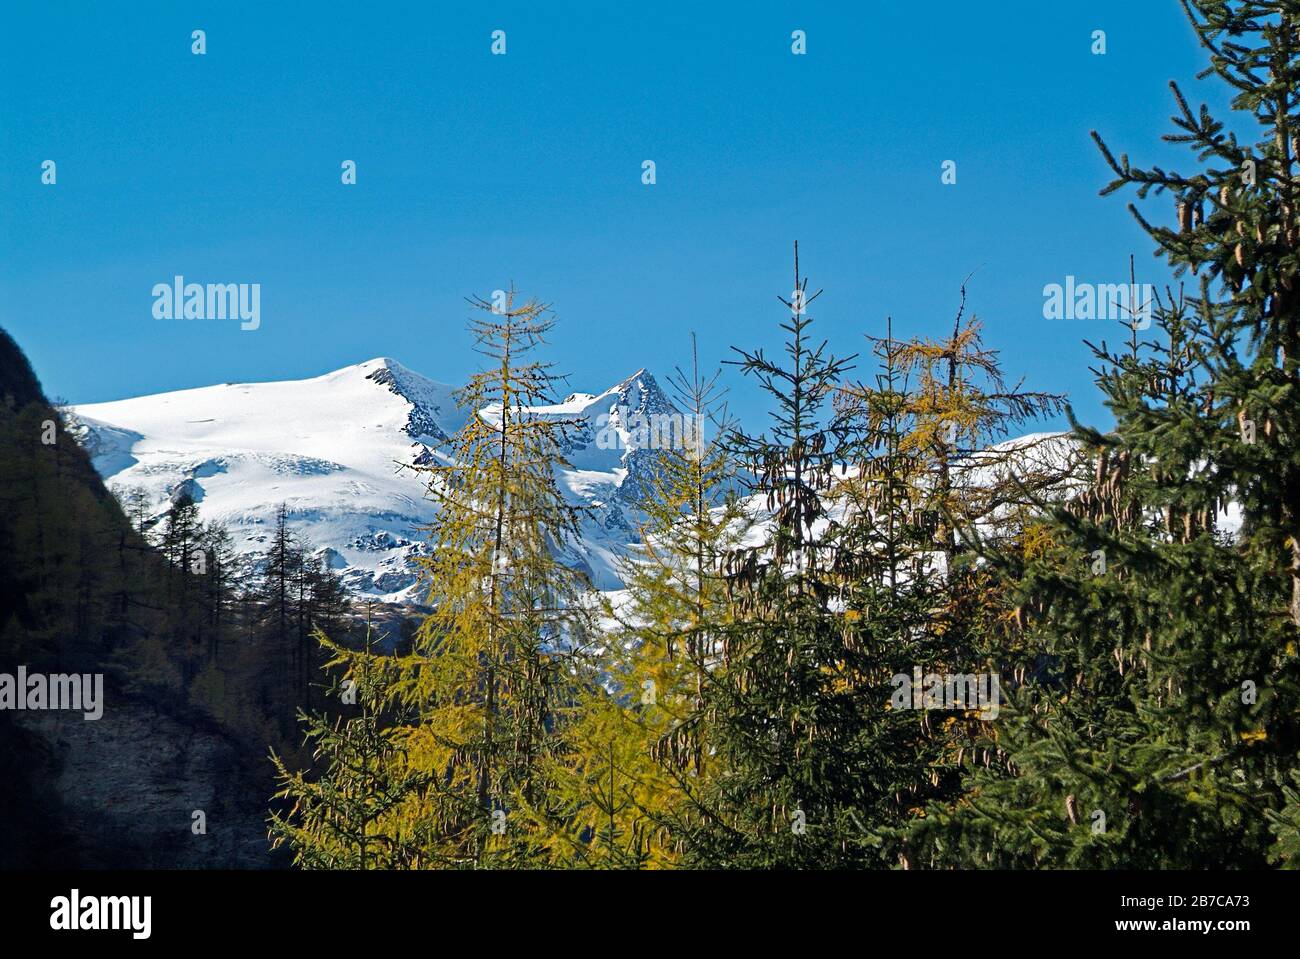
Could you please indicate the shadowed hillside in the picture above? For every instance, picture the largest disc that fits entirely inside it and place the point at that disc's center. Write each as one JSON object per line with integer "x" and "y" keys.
{"x": 81, "y": 591}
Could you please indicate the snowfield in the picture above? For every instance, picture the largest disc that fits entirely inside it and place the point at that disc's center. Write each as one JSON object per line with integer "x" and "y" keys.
{"x": 331, "y": 449}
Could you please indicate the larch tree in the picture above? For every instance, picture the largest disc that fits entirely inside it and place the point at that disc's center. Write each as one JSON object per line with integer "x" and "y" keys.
{"x": 344, "y": 816}
{"x": 968, "y": 481}
{"x": 493, "y": 675}
{"x": 638, "y": 752}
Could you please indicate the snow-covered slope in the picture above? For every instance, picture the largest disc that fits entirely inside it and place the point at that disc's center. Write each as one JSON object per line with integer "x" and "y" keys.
{"x": 329, "y": 448}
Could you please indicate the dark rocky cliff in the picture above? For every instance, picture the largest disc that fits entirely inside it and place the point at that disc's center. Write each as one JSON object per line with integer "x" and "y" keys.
{"x": 119, "y": 791}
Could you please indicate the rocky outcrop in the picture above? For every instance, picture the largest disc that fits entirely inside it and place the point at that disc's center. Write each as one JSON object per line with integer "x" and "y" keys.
{"x": 144, "y": 789}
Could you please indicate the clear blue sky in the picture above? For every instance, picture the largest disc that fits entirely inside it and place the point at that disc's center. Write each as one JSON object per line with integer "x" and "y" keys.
{"x": 475, "y": 170}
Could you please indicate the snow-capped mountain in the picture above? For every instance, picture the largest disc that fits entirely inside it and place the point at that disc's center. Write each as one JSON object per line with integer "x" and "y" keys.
{"x": 330, "y": 448}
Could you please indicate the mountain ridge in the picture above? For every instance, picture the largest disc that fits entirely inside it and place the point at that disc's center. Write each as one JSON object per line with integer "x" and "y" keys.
{"x": 332, "y": 448}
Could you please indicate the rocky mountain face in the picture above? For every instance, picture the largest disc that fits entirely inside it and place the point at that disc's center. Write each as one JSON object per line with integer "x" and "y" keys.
{"x": 148, "y": 787}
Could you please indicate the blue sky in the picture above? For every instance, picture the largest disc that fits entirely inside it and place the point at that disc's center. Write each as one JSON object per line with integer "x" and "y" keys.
{"x": 475, "y": 170}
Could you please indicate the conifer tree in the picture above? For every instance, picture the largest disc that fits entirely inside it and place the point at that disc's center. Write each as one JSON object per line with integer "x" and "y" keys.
{"x": 221, "y": 570}
{"x": 1154, "y": 643}
{"x": 492, "y": 677}
{"x": 1285, "y": 826}
{"x": 936, "y": 419}
{"x": 135, "y": 503}
{"x": 897, "y": 595}
{"x": 781, "y": 711}
{"x": 958, "y": 408}
{"x": 279, "y": 565}
{"x": 341, "y": 818}
{"x": 636, "y": 746}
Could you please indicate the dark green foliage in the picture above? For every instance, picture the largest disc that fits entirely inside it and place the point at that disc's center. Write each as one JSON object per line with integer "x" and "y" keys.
{"x": 334, "y": 820}
{"x": 811, "y": 765}
{"x": 156, "y": 603}
{"x": 1155, "y": 725}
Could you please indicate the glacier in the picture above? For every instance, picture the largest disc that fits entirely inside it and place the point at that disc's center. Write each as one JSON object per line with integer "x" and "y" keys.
{"x": 331, "y": 449}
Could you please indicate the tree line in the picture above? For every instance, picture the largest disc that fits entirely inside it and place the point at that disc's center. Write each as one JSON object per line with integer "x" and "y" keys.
{"x": 158, "y": 600}
{"x": 1134, "y": 591}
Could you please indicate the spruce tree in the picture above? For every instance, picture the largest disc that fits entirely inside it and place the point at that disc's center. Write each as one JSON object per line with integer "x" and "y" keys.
{"x": 1285, "y": 826}
{"x": 781, "y": 711}
{"x": 278, "y": 617}
{"x": 1153, "y": 725}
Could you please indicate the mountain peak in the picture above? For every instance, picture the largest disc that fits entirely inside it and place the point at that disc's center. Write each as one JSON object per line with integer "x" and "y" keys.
{"x": 642, "y": 392}
{"x": 642, "y": 375}
{"x": 327, "y": 446}
{"x": 375, "y": 364}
